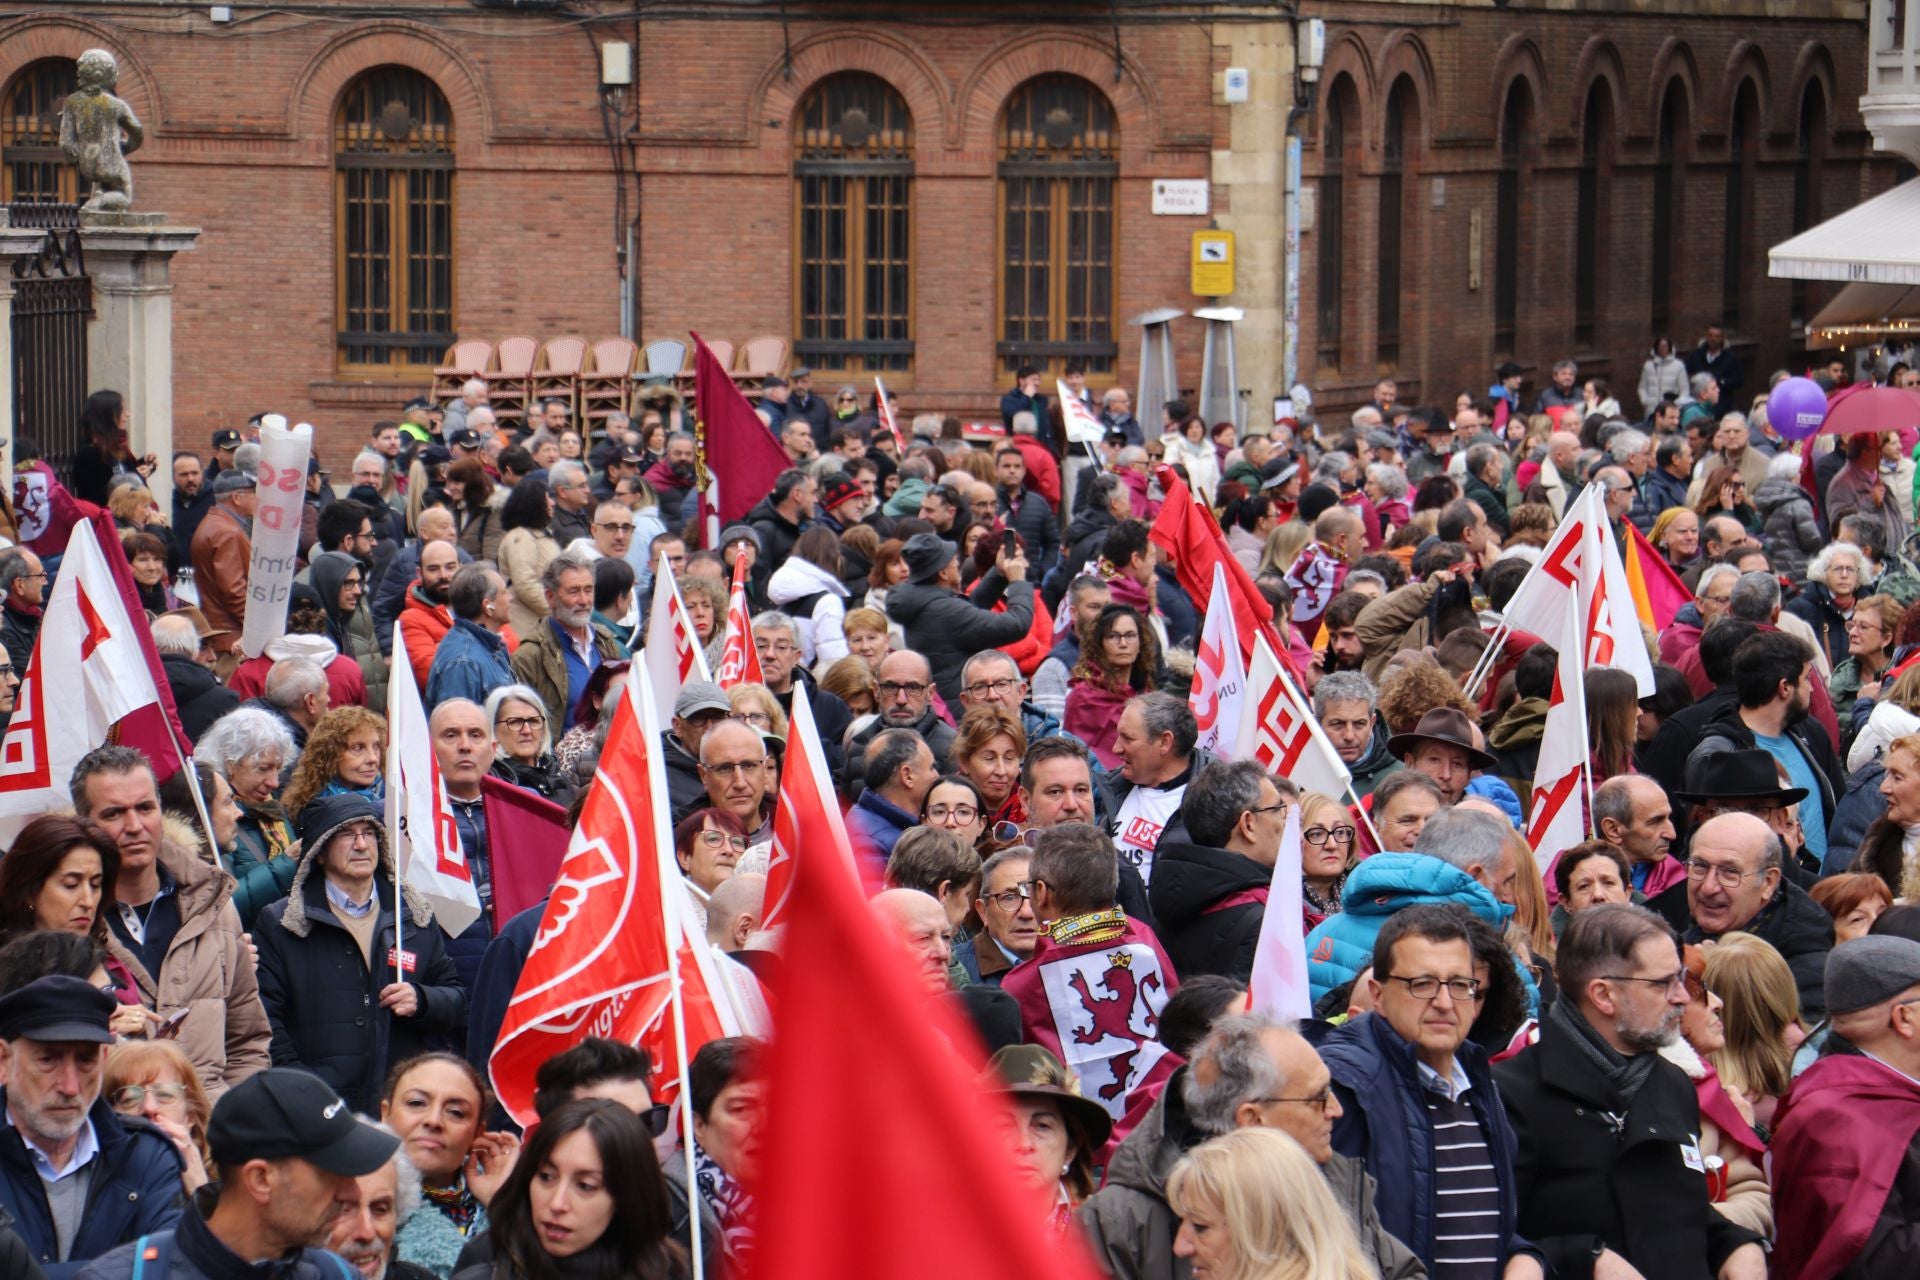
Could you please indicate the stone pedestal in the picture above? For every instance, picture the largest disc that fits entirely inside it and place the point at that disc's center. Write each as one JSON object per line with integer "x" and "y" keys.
{"x": 130, "y": 338}
{"x": 15, "y": 243}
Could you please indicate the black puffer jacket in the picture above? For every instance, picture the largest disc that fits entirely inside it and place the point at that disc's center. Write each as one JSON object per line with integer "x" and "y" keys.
{"x": 947, "y": 628}
{"x": 321, "y": 995}
{"x": 1801, "y": 931}
{"x": 200, "y": 698}
{"x": 1816, "y": 608}
{"x": 1209, "y": 904}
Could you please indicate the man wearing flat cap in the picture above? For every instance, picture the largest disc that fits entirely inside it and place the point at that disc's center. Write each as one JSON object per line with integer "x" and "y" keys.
{"x": 286, "y": 1153}
{"x": 1846, "y": 1140}
{"x": 223, "y": 551}
{"x": 78, "y": 1178}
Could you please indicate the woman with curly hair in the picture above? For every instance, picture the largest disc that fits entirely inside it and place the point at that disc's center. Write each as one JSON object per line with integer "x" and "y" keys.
{"x": 346, "y": 752}
{"x": 1117, "y": 661}
{"x": 1412, "y": 689}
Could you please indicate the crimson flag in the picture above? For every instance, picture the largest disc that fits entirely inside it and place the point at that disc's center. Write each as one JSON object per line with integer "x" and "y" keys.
{"x": 44, "y": 512}
{"x": 742, "y": 456}
{"x": 528, "y": 834}
{"x": 1186, "y": 530}
{"x": 739, "y": 656}
{"x": 857, "y": 1034}
{"x": 806, "y": 810}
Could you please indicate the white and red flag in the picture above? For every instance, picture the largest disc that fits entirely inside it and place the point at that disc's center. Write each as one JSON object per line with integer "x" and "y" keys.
{"x": 420, "y": 821}
{"x": 884, "y": 404}
{"x": 88, "y": 673}
{"x": 740, "y": 659}
{"x": 1558, "y": 816}
{"x": 614, "y": 935}
{"x": 1281, "y": 733}
{"x": 1219, "y": 697}
{"x": 1582, "y": 560}
{"x": 1083, "y": 424}
{"x": 673, "y": 654}
{"x": 806, "y": 811}
{"x": 1278, "y": 985}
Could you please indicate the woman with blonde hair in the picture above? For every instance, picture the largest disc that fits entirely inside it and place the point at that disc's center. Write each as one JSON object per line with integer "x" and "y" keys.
{"x": 1253, "y": 1205}
{"x": 1734, "y": 1155}
{"x": 1284, "y": 546}
{"x": 155, "y": 1080}
{"x": 756, "y": 705}
{"x": 346, "y": 751}
{"x": 1326, "y": 855}
{"x": 852, "y": 681}
{"x": 1762, "y": 1016}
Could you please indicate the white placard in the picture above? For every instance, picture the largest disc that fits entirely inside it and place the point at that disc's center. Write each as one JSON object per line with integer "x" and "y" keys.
{"x": 280, "y": 493}
{"x": 1180, "y": 197}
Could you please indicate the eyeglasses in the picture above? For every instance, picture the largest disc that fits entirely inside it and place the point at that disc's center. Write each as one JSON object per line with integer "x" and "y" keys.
{"x": 733, "y": 769}
{"x": 521, "y": 724}
{"x": 1725, "y": 877}
{"x": 1319, "y": 835}
{"x": 623, "y": 525}
{"x": 758, "y": 719}
{"x": 777, "y": 646}
{"x": 1427, "y": 987}
{"x": 1010, "y": 900}
{"x": 1318, "y": 1101}
{"x": 998, "y": 688}
{"x": 958, "y": 812}
{"x": 1123, "y": 637}
{"x": 1675, "y": 979}
{"x": 723, "y": 839}
{"x": 130, "y": 1097}
{"x": 894, "y": 688}
{"x": 1008, "y": 832}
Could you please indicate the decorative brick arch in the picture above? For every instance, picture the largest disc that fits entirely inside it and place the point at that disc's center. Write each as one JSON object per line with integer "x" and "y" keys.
{"x": 1674, "y": 61}
{"x": 314, "y": 96}
{"x": 1599, "y": 60}
{"x": 902, "y": 65}
{"x": 1813, "y": 65}
{"x": 33, "y": 39}
{"x": 976, "y": 119}
{"x": 1404, "y": 54}
{"x": 1519, "y": 59}
{"x": 1747, "y": 62}
{"x": 1348, "y": 57}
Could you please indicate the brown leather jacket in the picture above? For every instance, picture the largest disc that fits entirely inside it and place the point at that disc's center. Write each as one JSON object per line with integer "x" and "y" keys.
{"x": 222, "y": 557}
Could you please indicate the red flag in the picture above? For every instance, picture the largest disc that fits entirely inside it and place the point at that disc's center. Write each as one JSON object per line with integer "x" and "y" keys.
{"x": 600, "y": 963}
{"x": 739, "y": 657}
{"x": 1658, "y": 592}
{"x": 1186, "y": 530}
{"x": 806, "y": 808}
{"x": 856, "y": 1033}
{"x": 528, "y": 834}
{"x": 742, "y": 456}
{"x": 155, "y": 729}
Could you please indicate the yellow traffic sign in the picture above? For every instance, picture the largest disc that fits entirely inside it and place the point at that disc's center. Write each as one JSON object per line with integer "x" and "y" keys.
{"x": 1212, "y": 263}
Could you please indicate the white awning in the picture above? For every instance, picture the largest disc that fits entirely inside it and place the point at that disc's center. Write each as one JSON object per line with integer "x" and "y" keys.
{"x": 1874, "y": 243}
{"x": 1860, "y": 312}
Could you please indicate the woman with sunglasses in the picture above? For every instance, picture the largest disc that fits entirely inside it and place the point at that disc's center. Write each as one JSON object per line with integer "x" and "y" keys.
{"x": 708, "y": 844}
{"x": 1725, "y": 494}
{"x": 155, "y": 1080}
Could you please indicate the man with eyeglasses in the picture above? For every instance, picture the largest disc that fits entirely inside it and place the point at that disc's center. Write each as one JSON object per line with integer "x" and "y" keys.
{"x": 904, "y": 696}
{"x": 1005, "y": 908}
{"x": 777, "y": 641}
{"x": 10, "y": 690}
{"x": 1209, "y": 890}
{"x": 1417, "y": 1102}
{"x": 991, "y": 678}
{"x": 1736, "y": 881}
{"x": 23, "y": 580}
{"x": 1609, "y": 1174}
{"x": 733, "y": 765}
{"x": 1249, "y": 1072}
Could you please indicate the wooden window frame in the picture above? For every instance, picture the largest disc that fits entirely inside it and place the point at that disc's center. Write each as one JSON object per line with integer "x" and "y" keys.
{"x": 1076, "y": 185}
{"x": 884, "y": 159}
{"x": 421, "y": 156}
{"x": 41, "y": 151}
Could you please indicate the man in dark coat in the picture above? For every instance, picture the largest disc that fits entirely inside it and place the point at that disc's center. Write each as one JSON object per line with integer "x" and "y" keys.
{"x": 1745, "y": 887}
{"x": 1025, "y": 512}
{"x": 349, "y": 988}
{"x": 947, "y": 627}
{"x": 779, "y": 518}
{"x": 905, "y": 702}
{"x": 76, "y": 1190}
{"x": 23, "y": 595}
{"x": 700, "y": 705}
{"x": 1209, "y": 892}
{"x": 1609, "y": 1165}
{"x": 199, "y": 697}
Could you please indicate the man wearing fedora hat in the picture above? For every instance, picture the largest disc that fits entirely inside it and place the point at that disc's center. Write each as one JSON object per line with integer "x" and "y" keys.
{"x": 948, "y": 627}
{"x": 1442, "y": 746}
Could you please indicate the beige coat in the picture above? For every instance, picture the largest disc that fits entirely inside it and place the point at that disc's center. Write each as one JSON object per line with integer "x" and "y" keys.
{"x": 523, "y": 556}
{"x": 208, "y": 971}
{"x": 1749, "y": 1200}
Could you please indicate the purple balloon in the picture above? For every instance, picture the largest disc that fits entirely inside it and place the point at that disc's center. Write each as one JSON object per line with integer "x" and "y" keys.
{"x": 1796, "y": 408}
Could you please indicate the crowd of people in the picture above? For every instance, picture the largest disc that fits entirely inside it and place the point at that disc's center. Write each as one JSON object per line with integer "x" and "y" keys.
{"x": 1686, "y": 1047}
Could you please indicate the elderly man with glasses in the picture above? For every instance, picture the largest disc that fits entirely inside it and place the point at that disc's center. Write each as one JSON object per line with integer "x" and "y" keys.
{"x": 904, "y": 696}
{"x": 1736, "y": 880}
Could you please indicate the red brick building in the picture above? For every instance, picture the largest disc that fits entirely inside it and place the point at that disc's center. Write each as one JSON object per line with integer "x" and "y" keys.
{"x": 1505, "y": 183}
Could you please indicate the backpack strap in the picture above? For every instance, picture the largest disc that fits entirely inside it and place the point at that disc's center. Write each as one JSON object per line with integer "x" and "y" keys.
{"x": 153, "y": 1256}
{"x": 1246, "y": 897}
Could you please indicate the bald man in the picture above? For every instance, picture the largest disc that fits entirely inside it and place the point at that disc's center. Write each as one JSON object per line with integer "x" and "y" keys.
{"x": 920, "y": 924}
{"x": 733, "y": 768}
{"x": 1736, "y": 880}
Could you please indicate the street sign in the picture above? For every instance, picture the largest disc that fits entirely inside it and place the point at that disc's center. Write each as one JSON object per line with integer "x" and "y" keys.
{"x": 1180, "y": 197}
{"x": 1212, "y": 263}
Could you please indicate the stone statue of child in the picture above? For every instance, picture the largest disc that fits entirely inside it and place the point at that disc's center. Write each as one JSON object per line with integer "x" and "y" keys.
{"x": 97, "y": 130}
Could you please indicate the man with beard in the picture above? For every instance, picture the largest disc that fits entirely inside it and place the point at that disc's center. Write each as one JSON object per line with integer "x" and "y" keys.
{"x": 1343, "y": 703}
{"x": 1773, "y": 676}
{"x": 566, "y": 647}
{"x": 1609, "y": 1170}
{"x": 905, "y": 701}
{"x": 363, "y": 1233}
{"x": 425, "y": 619}
{"x": 672, "y": 477}
{"x": 286, "y": 1153}
{"x": 192, "y": 496}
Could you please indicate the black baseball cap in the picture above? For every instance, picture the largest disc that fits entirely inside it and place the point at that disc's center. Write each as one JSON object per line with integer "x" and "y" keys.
{"x": 284, "y": 1114}
{"x": 465, "y": 438}
{"x": 227, "y": 439}
{"x": 58, "y": 1010}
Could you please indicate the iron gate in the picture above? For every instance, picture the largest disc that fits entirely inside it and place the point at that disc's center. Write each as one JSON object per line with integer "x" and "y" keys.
{"x": 52, "y": 302}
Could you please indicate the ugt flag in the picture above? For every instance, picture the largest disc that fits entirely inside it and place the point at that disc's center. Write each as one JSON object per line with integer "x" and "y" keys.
{"x": 1219, "y": 697}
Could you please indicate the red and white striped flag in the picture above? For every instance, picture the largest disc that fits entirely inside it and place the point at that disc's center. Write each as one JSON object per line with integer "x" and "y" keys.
{"x": 672, "y": 654}
{"x": 740, "y": 659}
{"x": 1558, "y": 816}
{"x": 1219, "y": 695}
{"x": 1583, "y": 560}
{"x": 1282, "y": 734}
{"x": 1278, "y": 985}
{"x": 420, "y": 822}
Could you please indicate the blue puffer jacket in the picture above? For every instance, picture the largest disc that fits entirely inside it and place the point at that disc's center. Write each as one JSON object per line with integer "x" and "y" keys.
{"x": 1385, "y": 1123}
{"x": 135, "y": 1189}
{"x": 1342, "y": 945}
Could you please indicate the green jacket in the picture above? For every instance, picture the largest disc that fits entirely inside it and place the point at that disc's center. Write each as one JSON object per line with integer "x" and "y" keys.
{"x": 541, "y": 665}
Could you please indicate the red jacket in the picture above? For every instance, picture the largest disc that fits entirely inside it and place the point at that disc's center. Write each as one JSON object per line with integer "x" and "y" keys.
{"x": 1043, "y": 473}
{"x": 423, "y": 625}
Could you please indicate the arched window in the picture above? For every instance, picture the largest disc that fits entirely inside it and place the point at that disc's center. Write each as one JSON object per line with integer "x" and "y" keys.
{"x": 393, "y": 198}
{"x": 33, "y": 169}
{"x": 1330, "y": 219}
{"x": 1590, "y": 210}
{"x": 853, "y": 192}
{"x": 1509, "y": 228}
{"x": 1743, "y": 145}
{"x": 1059, "y": 149}
{"x": 1393, "y": 163}
{"x": 1809, "y": 157}
{"x": 1669, "y": 191}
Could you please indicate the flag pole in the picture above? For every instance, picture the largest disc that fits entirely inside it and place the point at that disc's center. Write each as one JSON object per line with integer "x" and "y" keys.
{"x": 1366, "y": 821}
{"x": 1485, "y": 662}
{"x": 193, "y": 784}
